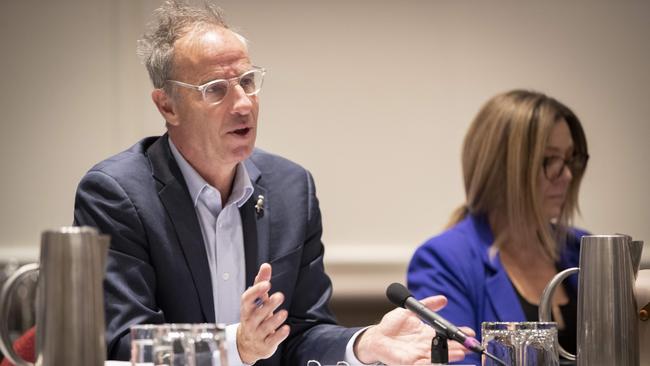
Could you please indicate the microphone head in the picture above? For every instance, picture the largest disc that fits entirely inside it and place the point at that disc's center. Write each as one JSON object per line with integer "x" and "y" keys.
{"x": 397, "y": 294}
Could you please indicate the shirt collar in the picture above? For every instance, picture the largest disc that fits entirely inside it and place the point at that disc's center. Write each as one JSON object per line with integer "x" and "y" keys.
{"x": 242, "y": 187}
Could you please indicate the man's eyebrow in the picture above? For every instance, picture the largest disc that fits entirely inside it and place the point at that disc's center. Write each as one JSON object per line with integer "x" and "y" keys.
{"x": 208, "y": 79}
{"x": 245, "y": 67}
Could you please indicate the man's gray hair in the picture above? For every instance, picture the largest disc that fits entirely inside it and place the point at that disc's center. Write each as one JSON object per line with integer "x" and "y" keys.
{"x": 173, "y": 20}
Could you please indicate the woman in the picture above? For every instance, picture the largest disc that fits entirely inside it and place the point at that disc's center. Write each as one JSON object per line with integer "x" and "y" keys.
{"x": 523, "y": 159}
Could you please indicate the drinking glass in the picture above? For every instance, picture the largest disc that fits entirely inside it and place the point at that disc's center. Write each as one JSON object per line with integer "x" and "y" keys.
{"x": 540, "y": 346}
{"x": 173, "y": 345}
{"x": 521, "y": 343}
{"x": 142, "y": 336}
{"x": 210, "y": 344}
{"x": 497, "y": 339}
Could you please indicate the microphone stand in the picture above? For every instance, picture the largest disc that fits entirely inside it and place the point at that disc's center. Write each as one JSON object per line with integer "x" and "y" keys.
{"x": 439, "y": 349}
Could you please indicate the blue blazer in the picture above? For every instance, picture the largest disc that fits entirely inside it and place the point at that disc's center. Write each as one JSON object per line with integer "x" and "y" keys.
{"x": 457, "y": 264}
{"x": 157, "y": 269}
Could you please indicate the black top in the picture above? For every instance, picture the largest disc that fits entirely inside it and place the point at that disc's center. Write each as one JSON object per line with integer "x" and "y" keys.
{"x": 567, "y": 336}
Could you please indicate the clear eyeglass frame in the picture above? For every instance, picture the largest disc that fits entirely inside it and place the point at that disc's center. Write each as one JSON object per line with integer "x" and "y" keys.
{"x": 215, "y": 91}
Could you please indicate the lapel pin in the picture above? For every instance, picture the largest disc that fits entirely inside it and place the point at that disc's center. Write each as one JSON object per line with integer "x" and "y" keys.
{"x": 259, "y": 206}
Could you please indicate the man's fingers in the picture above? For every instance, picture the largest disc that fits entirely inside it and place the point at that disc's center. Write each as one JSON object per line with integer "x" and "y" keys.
{"x": 264, "y": 274}
{"x": 435, "y": 303}
{"x": 457, "y": 347}
{"x": 258, "y": 290}
{"x": 266, "y": 309}
{"x": 274, "y": 301}
{"x": 456, "y": 355}
{"x": 256, "y": 313}
{"x": 469, "y": 331}
{"x": 458, "y": 351}
{"x": 278, "y": 336}
{"x": 272, "y": 323}
{"x": 261, "y": 330}
{"x": 254, "y": 297}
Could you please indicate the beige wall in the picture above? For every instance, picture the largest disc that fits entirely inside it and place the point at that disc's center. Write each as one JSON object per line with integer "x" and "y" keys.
{"x": 373, "y": 97}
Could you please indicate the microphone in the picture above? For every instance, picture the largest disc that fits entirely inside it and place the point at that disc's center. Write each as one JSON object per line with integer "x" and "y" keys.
{"x": 400, "y": 296}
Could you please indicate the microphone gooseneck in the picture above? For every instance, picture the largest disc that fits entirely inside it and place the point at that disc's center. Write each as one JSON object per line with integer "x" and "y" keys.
{"x": 400, "y": 296}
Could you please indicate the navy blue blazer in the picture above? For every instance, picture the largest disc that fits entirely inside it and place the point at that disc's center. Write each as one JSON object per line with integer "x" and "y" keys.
{"x": 157, "y": 269}
{"x": 457, "y": 264}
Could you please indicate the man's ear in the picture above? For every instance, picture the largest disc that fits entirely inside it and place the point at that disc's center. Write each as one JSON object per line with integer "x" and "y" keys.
{"x": 165, "y": 105}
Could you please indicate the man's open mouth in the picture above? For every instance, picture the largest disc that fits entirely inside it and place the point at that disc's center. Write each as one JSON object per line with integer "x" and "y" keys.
{"x": 242, "y": 131}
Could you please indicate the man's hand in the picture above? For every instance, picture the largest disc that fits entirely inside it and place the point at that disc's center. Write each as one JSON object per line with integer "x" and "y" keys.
{"x": 258, "y": 335}
{"x": 401, "y": 338}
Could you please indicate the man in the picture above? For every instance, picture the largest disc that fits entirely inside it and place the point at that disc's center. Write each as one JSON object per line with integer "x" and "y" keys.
{"x": 205, "y": 228}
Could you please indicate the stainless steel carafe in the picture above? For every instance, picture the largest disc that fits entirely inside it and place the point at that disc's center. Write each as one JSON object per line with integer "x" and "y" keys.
{"x": 69, "y": 301}
{"x": 608, "y": 314}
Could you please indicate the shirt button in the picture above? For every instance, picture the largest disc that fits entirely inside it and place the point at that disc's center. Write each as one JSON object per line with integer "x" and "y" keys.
{"x": 225, "y": 276}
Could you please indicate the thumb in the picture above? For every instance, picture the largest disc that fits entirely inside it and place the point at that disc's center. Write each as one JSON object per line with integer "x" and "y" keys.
{"x": 435, "y": 303}
{"x": 469, "y": 331}
{"x": 264, "y": 274}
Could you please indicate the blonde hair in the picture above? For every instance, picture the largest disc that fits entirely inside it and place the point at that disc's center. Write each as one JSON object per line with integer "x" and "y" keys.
{"x": 502, "y": 158}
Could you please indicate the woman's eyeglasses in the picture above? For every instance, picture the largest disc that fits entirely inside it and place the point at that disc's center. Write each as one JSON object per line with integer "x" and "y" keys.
{"x": 554, "y": 165}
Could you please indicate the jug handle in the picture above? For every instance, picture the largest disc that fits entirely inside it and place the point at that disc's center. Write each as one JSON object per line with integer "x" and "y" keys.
{"x": 7, "y": 289}
{"x": 545, "y": 304}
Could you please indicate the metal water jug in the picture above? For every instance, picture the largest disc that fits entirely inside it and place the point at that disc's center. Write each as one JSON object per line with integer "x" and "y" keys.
{"x": 609, "y": 311}
{"x": 69, "y": 300}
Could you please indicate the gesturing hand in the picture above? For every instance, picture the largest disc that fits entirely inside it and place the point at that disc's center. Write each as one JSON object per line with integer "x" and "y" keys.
{"x": 260, "y": 330}
{"x": 401, "y": 338}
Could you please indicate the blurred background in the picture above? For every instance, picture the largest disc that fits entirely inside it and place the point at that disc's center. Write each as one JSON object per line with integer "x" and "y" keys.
{"x": 373, "y": 97}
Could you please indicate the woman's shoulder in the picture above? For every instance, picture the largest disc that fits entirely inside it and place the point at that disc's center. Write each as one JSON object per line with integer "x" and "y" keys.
{"x": 570, "y": 253}
{"x": 469, "y": 235}
{"x": 577, "y": 232}
{"x": 574, "y": 235}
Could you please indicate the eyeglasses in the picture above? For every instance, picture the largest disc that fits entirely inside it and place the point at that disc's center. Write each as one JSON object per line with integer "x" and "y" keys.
{"x": 216, "y": 90}
{"x": 554, "y": 165}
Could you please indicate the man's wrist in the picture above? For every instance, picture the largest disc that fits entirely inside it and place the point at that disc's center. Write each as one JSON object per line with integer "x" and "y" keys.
{"x": 245, "y": 358}
{"x": 363, "y": 347}
{"x": 232, "y": 346}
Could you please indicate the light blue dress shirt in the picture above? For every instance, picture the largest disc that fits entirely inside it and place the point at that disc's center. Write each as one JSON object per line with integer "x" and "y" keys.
{"x": 222, "y": 231}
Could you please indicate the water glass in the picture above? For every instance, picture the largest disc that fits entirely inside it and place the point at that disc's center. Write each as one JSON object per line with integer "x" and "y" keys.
{"x": 173, "y": 345}
{"x": 521, "y": 343}
{"x": 540, "y": 346}
{"x": 142, "y": 336}
{"x": 497, "y": 339}
{"x": 178, "y": 345}
{"x": 210, "y": 344}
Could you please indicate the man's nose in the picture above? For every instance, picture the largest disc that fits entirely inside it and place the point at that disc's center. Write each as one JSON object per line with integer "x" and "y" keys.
{"x": 242, "y": 103}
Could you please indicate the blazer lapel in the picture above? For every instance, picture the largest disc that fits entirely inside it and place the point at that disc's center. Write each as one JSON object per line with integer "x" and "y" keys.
{"x": 255, "y": 224}
{"x": 502, "y": 297}
{"x": 500, "y": 292}
{"x": 178, "y": 204}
